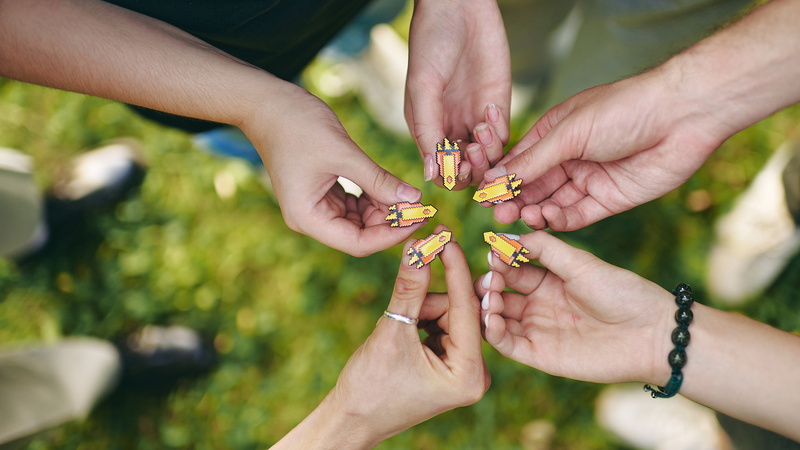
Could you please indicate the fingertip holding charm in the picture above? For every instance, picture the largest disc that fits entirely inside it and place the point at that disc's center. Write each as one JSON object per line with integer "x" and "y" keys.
{"x": 448, "y": 157}
{"x": 405, "y": 214}
{"x": 425, "y": 250}
{"x": 501, "y": 189}
{"x": 509, "y": 250}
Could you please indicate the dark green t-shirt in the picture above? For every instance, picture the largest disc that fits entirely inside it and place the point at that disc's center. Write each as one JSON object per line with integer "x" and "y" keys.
{"x": 279, "y": 36}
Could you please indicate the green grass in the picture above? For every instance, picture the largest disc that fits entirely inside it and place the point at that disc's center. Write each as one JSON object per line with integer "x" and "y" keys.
{"x": 285, "y": 311}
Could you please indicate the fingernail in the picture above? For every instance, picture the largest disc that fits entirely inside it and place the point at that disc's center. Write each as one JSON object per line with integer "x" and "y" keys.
{"x": 487, "y": 279}
{"x": 475, "y": 154}
{"x": 484, "y": 134}
{"x": 408, "y": 193}
{"x": 493, "y": 112}
{"x": 511, "y": 236}
{"x": 464, "y": 176}
{"x": 489, "y": 258}
{"x": 486, "y": 322}
{"x": 429, "y": 167}
{"x": 495, "y": 172}
{"x": 485, "y": 301}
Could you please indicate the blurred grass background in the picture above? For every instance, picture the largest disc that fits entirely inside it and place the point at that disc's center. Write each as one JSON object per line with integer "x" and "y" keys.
{"x": 203, "y": 244}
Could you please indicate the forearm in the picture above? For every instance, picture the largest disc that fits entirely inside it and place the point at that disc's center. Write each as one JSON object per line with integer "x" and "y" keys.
{"x": 99, "y": 49}
{"x": 745, "y": 72}
{"x": 743, "y": 368}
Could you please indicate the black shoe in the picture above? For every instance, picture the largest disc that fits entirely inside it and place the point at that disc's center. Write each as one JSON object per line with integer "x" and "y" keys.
{"x": 157, "y": 357}
{"x": 97, "y": 181}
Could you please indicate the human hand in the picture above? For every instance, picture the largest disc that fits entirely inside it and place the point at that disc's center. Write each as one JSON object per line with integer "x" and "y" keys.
{"x": 577, "y": 317}
{"x": 607, "y": 150}
{"x": 394, "y": 381}
{"x": 459, "y": 84}
{"x": 305, "y": 153}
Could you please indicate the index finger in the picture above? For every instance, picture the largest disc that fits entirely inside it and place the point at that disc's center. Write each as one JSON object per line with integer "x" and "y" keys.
{"x": 545, "y": 146}
{"x": 464, "y": 312}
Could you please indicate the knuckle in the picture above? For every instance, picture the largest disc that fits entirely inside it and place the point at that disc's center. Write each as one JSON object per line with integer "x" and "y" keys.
{"x": 360, "y": 252}
{"x": 381, "y": 179}
{"x": 406, "y": 288}
{"x": 292, "y": 222}
{"x": 474, "y": 392}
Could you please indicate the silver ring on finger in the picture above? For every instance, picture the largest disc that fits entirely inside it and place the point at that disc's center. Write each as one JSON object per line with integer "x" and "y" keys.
{"x": 400, "y": 318}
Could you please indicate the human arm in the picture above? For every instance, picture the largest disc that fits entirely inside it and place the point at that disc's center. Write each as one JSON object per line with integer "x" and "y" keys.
{"x": 394, "y": 381}
{"x": 613, "y": 147}
{"x": 459, "y": 83}
{"x": 96, "y": 48}
{"x": 582, "y": 318}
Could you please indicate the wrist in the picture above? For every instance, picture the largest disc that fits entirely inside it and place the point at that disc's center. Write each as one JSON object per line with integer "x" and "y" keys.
{"x": 659, "y": 371}
{"x": 272, "y": 112}
{"x": 704, "y": 95}
{"x": 267, "y": 105}
{"x": 331, "y": 426}
{"x": 691, "y": 108}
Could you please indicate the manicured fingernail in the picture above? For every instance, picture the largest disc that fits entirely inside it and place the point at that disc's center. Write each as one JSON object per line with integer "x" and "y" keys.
{"x": 486, "y": 322}
{"x": 511, "y": 236}
{"x": 487, "y": 279}
{"x": 408, "y": 193}
{"x": 485, "y": 301}
{"x": 430, "y": 167}
{"x": 489, "y": 258}
{"x": 484, "y": 134}
{"x": 495, "y": 172}
{"x": 493, "y": 112}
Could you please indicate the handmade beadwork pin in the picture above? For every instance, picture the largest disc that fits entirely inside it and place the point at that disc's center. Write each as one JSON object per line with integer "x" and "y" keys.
{"x": 448, "y": 156}
{"x": 405, "y": 214}
{"x": 510, "y": 251}
{"x": 501, "y": 189}
{"x": 425, "y": 250}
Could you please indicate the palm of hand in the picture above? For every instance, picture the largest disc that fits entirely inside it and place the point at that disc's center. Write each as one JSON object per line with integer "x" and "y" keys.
{"x": 460, "y": 58}
{"x": 595, "y": 190}
{"x": 581, "y": 329}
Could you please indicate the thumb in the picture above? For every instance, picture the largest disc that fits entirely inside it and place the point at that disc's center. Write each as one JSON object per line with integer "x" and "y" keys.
{"x": 378, "y": 183}
{"x": 557, "y": 256}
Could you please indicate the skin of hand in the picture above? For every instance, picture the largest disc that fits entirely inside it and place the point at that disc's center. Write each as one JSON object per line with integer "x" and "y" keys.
{"x": 97, "y": 48}
{"x": 394, "y": 381}
{"x": 604, "y": 151}
{"x": 577, "y": 317}
{"x": 304, "y": 161}
{"x": 613, "y": 147}
{"x": 459, "y": 80}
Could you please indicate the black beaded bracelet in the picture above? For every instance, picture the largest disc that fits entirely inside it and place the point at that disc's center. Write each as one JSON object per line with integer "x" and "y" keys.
{"x": 680, "y": 337}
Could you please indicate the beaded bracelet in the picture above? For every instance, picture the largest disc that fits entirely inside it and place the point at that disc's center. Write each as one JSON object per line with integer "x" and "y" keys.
{"x": 680, "y": 337}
